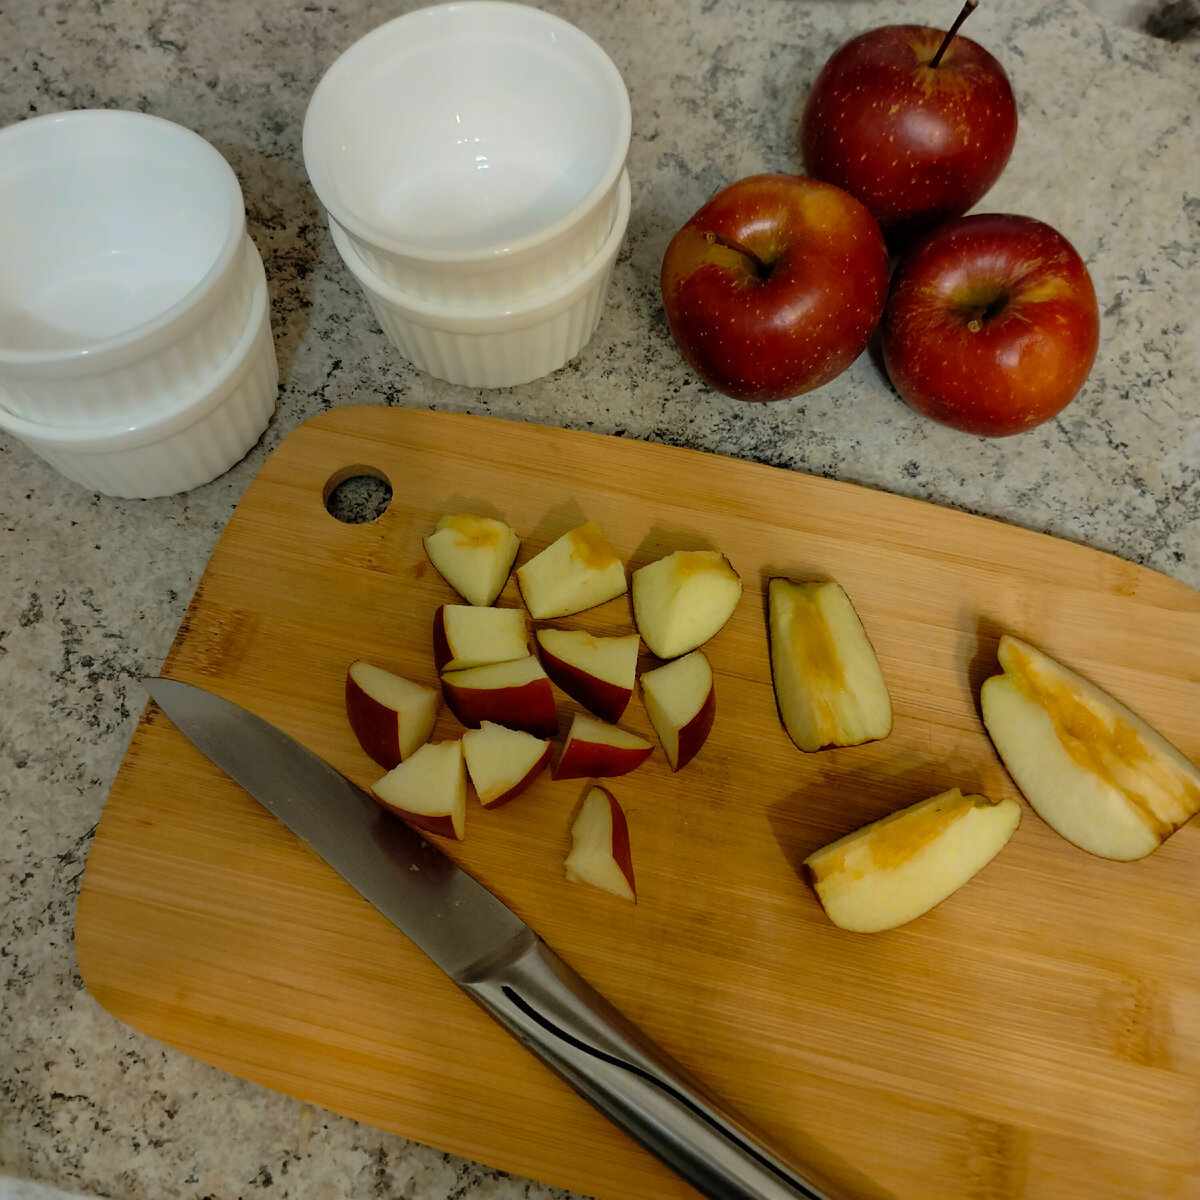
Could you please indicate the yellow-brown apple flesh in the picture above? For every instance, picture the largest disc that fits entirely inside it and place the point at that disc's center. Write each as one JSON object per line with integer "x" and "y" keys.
{"x": 516, "y": 694}
{"x": 595, "y": 749}
{"x": 597, "y": 672}
{"x": 600, "y": 850}
{"x": 577, "y": 571}
{"x": 391, "y": 716}
{"x": 683, "y": 599}
{"x": 473, "y": 554}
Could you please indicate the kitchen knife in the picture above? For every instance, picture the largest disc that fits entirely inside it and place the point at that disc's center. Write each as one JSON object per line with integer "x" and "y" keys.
{"x": 485, "y": 948}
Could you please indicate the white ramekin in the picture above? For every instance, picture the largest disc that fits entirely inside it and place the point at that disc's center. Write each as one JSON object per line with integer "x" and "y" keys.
{"x": 501, "y": 347}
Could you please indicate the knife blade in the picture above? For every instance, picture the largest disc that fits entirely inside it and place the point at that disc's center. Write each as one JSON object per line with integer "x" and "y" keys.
{"x": 489, "y": 952}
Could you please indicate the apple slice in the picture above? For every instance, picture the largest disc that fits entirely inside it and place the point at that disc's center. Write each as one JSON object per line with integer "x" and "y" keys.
{"x": 598, "y": 672}
{"x": 473, "y": 555}
{"x": 595, "y": 748}
{"x": 682, "y": 704}
{"x": 897, "y": 868}
{"x": 600, "y": 846}
{"x": 503, "y": 762}
{"x": 391, "y": 716}
{"x": 429, "y": 790}
{"x": 1094, "y": 771}
{"x": 468, "y": 636}
{"x": 516, "y": 694}
{"x": 827, "y": 679}
{"x": 578, "y": 571}
{"x": 682, "y": 600}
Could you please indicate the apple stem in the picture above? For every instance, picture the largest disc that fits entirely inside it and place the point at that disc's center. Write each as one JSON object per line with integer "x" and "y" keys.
{"x": 760, "y": 267}
{"x": 967, "y": 10}
{"x": 975, "y": 322}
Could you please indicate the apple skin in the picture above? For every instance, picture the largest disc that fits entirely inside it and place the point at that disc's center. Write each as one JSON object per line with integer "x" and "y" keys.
{"x": 600, "y": 851}
{"x": 389, "y": 729}
{"x": 597, "y": 749}
{"x": 795, "y": 311}
{"x": 918, "y": 145}
{"x": 516, "y": 694}
{"x": 992, "y": 325}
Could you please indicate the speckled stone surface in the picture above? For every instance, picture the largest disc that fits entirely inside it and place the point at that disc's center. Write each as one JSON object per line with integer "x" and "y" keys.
{"x": 95, "y": 588}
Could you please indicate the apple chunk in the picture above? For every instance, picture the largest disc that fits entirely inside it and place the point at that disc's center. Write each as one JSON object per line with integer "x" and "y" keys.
{"x": 595, "y": 748}
{"x": 515, "y": 693}
{"x": 429, "y": 790}
{"x": 578, "y": 571}
{"x": 827, "y": 679}
{"x": 503, "y": 762}
{"x": 600, "y": 853}
{"x": 391, "y": 716}
{"x": 895, "y": 869}
{"x": 1094, "y": 771}
{"x": 683, "y": 599}
{"x": 467, "y": 636}
{"x": 473, "y": 555}
{"x": 598, "y": 672}
{"x": 682, "y": 704}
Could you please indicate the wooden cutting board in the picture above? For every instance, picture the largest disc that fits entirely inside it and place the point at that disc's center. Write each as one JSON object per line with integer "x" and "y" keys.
{"x": 1037, "y": 1035}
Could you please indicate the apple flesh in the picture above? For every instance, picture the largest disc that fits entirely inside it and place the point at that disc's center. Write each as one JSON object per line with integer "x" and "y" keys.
{"x": 474, "y": 555}
{"x": 1094, "y": 771}
{"x": 991, "y": 326}
{"x": 917, "y": 144}
{"x": 681, "y": 700}
{"x": 578, "y": 571}
{"x": 827, "y": 680}
{"x": 429, "y": 790}
{"x": 682, "y": 600}
{"x": 893, "y": 870}
{"x": 775, "y": 286}
{"x": 391, "y": 716}
{"x": 600, "y": 852}
{"x": 467, "y": 636}
{"x": 596, "y": 749}
{"x": 516, "y": 694}
{"x": 598, "y": 672}
{"x": 503, "y": 762}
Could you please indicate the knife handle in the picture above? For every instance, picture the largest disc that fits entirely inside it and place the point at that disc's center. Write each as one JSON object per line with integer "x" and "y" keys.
{"x": 558, "y": 1016}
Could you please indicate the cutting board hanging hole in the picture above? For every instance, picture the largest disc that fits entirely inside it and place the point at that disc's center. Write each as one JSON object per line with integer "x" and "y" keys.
{"x": 357, "y": 495}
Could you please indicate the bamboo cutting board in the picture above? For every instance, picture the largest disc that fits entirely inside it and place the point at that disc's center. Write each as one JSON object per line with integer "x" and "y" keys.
{"x": 1035, "y": 1036}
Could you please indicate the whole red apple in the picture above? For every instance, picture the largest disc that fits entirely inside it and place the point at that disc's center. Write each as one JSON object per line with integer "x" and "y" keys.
{"x": 991, "y": 324}
{"x": 916, "y": 143}
{"x": 775, "y": 286}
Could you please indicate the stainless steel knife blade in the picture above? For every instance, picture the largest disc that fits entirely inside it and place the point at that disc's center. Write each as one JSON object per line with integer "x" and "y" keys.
{"x": 491, "y": 954}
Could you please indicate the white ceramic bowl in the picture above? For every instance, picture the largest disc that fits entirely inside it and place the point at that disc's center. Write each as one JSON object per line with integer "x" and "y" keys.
{"x": 124, "y": 267}
{"x": 472, "y": 151}
{"x": 503, "y": 346}
{"x": 201, "y": 437}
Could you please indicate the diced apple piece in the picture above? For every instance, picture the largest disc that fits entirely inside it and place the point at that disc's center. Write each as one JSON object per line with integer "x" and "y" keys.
{"x": 598, "y": 672}
{"x": 473, "y": 555}
{"x": 1094, "y": 771}
{"x": 516, "y": 694}
{"x": 429, "y": 790}
{"x": 600, "y": 853}
{"x": 578, "y": 571}
{"x": 682, "y": 704}
{"x": 391, "y": 716}
{"x": 503, "y": 762}
{"x": 827, "y": 679}
{"x": 895, "y": 869}
{"x": 467, "y": 636}
{"x": 595, "y": 748}
{"x": 682, "y": 600}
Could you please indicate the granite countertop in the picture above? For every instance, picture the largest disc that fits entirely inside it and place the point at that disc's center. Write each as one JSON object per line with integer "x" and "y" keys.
{"x": 95, "y": 588}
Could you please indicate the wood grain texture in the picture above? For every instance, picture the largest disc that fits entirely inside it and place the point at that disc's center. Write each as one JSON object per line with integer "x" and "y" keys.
{"x": 1037, "y": 1035}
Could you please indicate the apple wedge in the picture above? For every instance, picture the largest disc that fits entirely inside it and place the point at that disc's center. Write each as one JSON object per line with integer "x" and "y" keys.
{"x": 516, "y": 694}
{"x": 468, "y": 636}
{"x": 893, "y": 870}
{"x": 429, "y": 790}
{"x": 1094, "y": 771}
{"x": 578, "y": 571}
{"x": 596, "y": 749}
{"x": 682, "y": 600}
{"x": 827, "y": 680}
{"x": 600, "y": 852}
{"x": 682, "y": 704}
{"x": 503, "y": 762}
{"x": 473, "y": 555}
{"x": 391, "y": 716}
{"x": 598, "y": 672}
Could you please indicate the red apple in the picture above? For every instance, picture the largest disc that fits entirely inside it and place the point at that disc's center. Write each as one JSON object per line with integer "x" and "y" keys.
{"x": 391, "y": 716}
{"x": 600, "y": 853}
{"x": 429, "y": 790}
{"x": 991, "y": 326}
{"x": 682, "y": 704}
{"x": 467, "y": 636}
{"x": 595, "y": 748}
{"x": 775, "y": 286}
{"x": 916, "y": 143}
{"x": 598, "y": 672}
{"x": 516, "y": 694}
{"x": 503, "y": 762}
